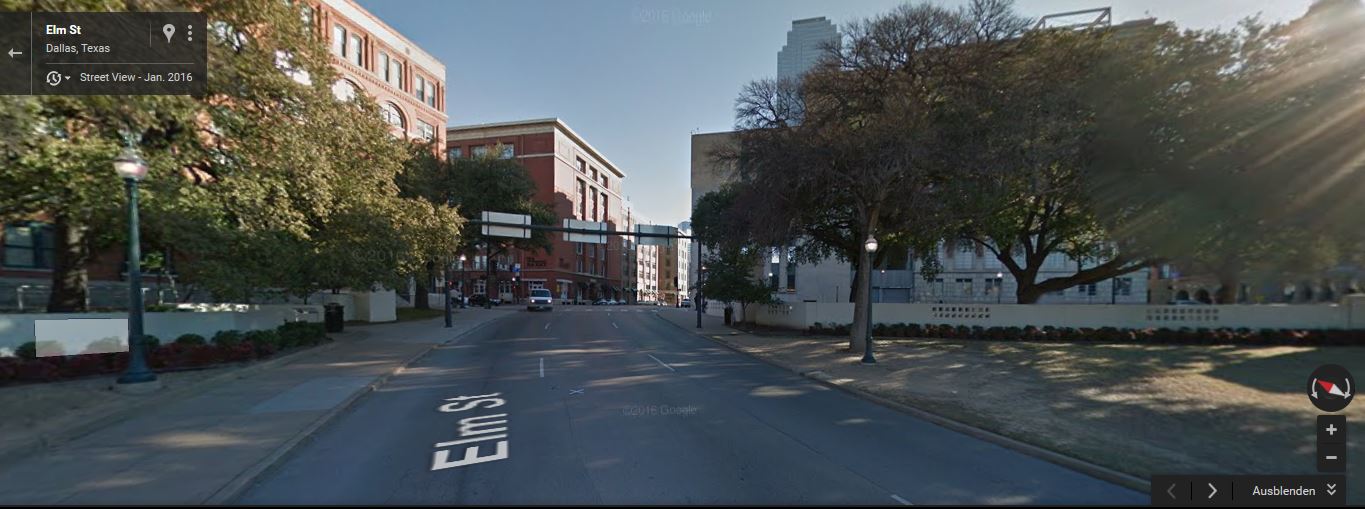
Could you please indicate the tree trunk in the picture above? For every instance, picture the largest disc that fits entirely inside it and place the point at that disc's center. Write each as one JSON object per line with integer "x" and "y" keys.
{"x": 1229, "y": 286}
{"x": 858, "y": 332}
{"x": 70, "y": 281}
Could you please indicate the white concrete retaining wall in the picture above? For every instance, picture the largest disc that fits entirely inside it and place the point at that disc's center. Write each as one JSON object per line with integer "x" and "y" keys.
{"x": 1349, "y": 314}
{"x": 205, "y": 320}
{"x": 380, "y": 306}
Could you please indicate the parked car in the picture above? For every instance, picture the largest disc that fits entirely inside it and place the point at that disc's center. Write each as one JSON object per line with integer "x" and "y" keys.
{"x": 481, "y": 299}
{"x": 599, "y": 302}
{"x": 687, "y": 303}
{"x": 540, "y": 300}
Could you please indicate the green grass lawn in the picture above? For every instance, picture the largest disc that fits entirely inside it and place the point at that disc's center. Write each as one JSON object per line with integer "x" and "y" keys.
{"x": 1140, "y": 409}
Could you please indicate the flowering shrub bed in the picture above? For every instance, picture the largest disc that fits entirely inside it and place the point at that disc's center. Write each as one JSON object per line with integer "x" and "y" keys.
{"x": 1183, "y": 336}
{"x": 187, "y": 351}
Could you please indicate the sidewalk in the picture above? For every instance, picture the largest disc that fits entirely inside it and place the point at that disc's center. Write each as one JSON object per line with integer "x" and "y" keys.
{"x": 206, "y": 446}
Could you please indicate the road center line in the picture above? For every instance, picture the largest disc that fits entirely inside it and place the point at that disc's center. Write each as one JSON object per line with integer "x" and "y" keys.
{"x": 542, "y": 367}
{"x": 661, "y": 363}
{"x": 901, "y": 500}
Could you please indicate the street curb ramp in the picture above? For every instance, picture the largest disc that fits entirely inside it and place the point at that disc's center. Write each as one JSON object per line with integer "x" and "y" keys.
{"x": 1085, "y": 467}
{"x": 229, "y": 493}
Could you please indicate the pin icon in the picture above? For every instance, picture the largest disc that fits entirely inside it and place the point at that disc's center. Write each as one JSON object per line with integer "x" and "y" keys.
{"x": 169, "y": 30}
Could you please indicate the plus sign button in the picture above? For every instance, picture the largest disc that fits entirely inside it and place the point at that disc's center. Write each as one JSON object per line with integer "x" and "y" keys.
{"x": 1331, "y": 429}
{"x": 1331, "y": 388}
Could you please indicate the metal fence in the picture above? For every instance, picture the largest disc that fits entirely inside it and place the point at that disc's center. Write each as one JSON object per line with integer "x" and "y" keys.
{"x": 31, "y": 297}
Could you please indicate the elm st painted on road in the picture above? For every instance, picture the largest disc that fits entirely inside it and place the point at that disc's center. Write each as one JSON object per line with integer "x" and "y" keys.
{"x": 630, "y": 409}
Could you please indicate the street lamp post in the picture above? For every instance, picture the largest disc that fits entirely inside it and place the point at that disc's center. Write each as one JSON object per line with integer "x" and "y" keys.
{"x": 137, "y": 377}
{"x": 701, "y": 276}
{"x": 871, "y": 246}
{"x": 999, "y": 286}
{"x": 464, "y": 285}
{"x": 449, "y": 294}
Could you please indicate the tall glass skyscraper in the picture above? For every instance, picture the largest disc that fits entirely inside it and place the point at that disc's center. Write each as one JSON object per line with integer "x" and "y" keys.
{"x": 806, "y": 43}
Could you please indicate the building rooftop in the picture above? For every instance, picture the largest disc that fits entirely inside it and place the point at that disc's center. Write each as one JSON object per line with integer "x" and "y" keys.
{"x": 452, "y": 131}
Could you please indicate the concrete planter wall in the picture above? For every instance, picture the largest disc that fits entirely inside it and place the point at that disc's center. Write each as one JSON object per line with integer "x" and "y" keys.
{"x": 202, "y": 319}
{"x": 1349, "y": 314}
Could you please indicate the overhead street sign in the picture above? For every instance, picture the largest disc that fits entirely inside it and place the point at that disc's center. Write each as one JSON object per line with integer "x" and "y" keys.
{"x": 506, "y": 231}
{"x": 667, "y": 231}
{"x": 588, "y": 238}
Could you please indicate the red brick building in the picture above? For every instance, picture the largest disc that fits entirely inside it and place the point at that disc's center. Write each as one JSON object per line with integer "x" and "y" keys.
{"x": 575, "y": 179}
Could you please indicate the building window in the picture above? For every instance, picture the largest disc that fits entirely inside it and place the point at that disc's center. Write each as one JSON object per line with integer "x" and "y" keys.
{"x": 419, "y": 88}
{"x": 395, "y": 76}
{"x": 383, "y": 69}
{"x": 431, "y": 94}
{"x": 604, "y": 207}
{"x": 1087, "y": 289}
{"x": 791, "y": 269}
{"x": 425, "y": 131}
{"x": 594, "y": 174}
{"x": 508, "y": 151}
{"x": 28, "y": 246}
{"x": 964, "y": 287}
{"x": 339, "y": 40}
{"x": 355, "y": 55}
{"x": 392, "y": 114}
{"x": 594, "y": 206}
{"x": 582, "y": 199}
{"x": 344, "y": 90}
{"x": 994, "y": 286}
{"x": 1125, "y": 286}
{"x": 454, "y": 153}
{"x": 479, "y": 151}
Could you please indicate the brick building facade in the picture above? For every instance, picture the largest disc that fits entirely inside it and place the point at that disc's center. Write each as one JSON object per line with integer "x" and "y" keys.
{"x": 579, "y": 183}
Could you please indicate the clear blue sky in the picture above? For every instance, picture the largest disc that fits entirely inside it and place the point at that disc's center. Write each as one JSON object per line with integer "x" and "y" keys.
{"x": 636, "y": 77}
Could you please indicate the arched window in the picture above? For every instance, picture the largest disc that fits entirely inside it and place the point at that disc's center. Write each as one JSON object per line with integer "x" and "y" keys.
{"x": 393, "y": 115}
{"x": 344, "y": 89}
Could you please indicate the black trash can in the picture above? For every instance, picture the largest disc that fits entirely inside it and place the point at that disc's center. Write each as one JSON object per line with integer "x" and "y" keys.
{"x": 729, "y": 315}
{"x": 333, "y": 316}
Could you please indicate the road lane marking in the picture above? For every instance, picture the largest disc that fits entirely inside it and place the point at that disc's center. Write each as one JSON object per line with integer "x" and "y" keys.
{"x": 575, "y": 391}
{"x": 473, "y": 429}
{"x": 542, "y": 367}
{"x": 547, "y": 326}
{"x": 613, "y": 324}
{"x": 901, "y": 500}
{"x": 661, "y": 363}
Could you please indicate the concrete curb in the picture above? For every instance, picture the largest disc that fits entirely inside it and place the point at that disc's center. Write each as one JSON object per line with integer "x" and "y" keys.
{"x": 233, "y": 489}
{"x": 84, "y": 427}
{"x": 1085, "y": 467}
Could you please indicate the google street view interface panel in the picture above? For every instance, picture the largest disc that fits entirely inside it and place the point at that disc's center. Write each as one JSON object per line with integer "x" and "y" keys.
{"x": 681, "y": 252}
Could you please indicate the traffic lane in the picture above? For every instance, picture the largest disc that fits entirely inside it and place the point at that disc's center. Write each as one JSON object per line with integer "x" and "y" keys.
{"x": 650, "y": 437}
{"x": 629, "y": 458}
{"x": 382, "y": 450}
{"x": 920, "y": 461}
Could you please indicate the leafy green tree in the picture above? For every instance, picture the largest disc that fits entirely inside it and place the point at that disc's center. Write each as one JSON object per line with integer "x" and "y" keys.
{"x": 268, "y": 181}
{"x": 475, "y": 185}
{"x": 848, "y": 152}
{"x": 1236, "y": 151}
{"x": 729, "y": 277}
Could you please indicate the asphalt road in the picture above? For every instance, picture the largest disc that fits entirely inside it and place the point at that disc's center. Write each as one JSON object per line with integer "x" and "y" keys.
{"x": 617, "y": 406}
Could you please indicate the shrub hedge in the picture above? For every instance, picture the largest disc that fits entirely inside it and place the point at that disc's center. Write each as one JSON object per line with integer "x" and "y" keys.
{"x": 1183, "y": 335}
{"x": 187, "y": 351}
